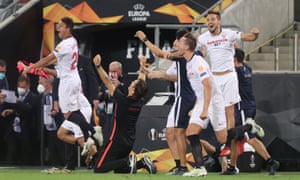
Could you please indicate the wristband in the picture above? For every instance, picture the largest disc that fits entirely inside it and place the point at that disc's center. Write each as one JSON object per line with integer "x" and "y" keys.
{"x": 98, "y": 66}
{"x": 145, "y": 39}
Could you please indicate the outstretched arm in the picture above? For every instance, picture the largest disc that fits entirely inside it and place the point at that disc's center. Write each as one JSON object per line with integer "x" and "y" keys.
{"x": 103, "y": 75}
{"x": 154, "y": 49}
{"x": 162, "y": 75}
{"x": 252, "y": 36}
{"x": 41, "y": 63}
{"x": 142, "y": 73}
{"x": 50, "y": 71}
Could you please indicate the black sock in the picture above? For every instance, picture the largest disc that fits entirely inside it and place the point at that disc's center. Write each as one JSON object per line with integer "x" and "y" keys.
{"x": 196, "y": 150}
{"x": 79, "y": 119}
{"x": 183, "y": 167}
{"x": 269, "y": 161}
{"x": 230, "y": 137}
{"x": 247, "y": 127}
{"x": 218, "y": 150}
{"x": 139, "y": 164}
{"x": 205, "y": 158}
{"x": 177, "y": 162}
{"x": 230, "y": 166}
{"x": 237, "y": 133}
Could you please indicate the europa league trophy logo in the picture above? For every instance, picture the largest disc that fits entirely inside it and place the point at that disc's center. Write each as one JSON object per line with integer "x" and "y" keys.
{"x": 252, "y": 161}
{"x": 152, "y": 134}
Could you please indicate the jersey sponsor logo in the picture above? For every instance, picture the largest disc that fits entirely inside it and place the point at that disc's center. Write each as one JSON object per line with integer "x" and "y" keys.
{"x": 218, "y": 41}
{"x": 191, "y": 73}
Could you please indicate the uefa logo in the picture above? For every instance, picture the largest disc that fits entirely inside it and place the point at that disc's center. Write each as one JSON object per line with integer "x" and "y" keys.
{"x": 139, "y": 13}
{"x": 138, "y": 7}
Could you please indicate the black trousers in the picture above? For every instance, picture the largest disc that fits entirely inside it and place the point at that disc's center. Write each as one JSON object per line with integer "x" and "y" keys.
{"x": 114, "y": 157}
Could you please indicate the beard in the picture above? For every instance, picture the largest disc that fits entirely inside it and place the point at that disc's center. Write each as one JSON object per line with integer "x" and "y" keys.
{"x": 212, "y": 30}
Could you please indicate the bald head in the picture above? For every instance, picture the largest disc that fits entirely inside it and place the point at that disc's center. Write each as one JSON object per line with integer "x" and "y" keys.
{"x": 116, "y": 66}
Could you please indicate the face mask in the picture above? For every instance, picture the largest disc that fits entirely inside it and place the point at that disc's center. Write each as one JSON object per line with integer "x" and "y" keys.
{"x": 101, "y": 106}
{"x": 113, "y": 75}
{"x": 40, "y": 88}
{"x": 21, "y": 91}
{"x": 2, "y": 76}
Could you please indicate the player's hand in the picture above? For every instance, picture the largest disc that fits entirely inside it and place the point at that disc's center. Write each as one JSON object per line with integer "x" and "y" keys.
{"x": 25, "y": 71}
{"x": 56, "y": 106}
{"x": 143, "y": 61}
{"x": 203, "y": 116}
{"x": 97, "y": 60}
{"x": 144, "y": 70}
{"x": 6, "y": 112}
{"x": 140, "y": 34}
{"x": 53, "y": 113}
{"x": 38, "y": 70}
{"x": 255, "y": 31}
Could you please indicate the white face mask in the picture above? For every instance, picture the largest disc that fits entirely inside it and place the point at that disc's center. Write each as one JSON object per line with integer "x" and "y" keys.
{"x": 41, "y": 88}
{"x": 21, "y": 91}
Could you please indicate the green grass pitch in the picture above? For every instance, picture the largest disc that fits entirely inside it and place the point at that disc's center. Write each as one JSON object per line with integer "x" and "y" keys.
{"x": 83, "y": 174}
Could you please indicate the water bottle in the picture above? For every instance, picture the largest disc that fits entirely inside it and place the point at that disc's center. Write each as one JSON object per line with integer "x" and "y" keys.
{"x": 16, "y": 125}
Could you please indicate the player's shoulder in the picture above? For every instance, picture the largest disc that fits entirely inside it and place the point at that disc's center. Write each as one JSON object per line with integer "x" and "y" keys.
{"x": 229, "y": 31}
{"x": 69, "y": 41}
{"x": 198, "y": 61}
{"x": 204, "y": 35}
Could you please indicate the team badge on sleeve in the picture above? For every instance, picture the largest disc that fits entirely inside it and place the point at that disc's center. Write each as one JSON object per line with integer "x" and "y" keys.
{"x": 57, "y": 49}
{"x": 200, "y": 68}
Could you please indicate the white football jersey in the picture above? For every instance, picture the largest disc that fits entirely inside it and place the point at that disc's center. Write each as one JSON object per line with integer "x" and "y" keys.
{"x": 66, "y": 53}
{"x": 220, "y": 48}
{"x": 197, "y": 71}
{"x": 69, "y": 88}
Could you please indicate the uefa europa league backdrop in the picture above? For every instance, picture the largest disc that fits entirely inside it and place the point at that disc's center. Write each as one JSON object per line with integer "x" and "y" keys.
{"x": 121, "y": 12}
{"x": 133, "y": 11}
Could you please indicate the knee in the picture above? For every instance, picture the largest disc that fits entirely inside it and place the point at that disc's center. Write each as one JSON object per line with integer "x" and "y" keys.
{"x": 221, "y": 136}
{"x": 61, "y": 134}
{"x": 170, "y": 135}
{"x": 222, "y": 139}
{"x": 193, "y": 130}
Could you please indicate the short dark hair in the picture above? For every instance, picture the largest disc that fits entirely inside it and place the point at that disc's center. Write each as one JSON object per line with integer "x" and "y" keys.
{"x": 140, "y": 89}
{"x": 69, "y": 22}
{"x": 190, "y": 41}
{"x": 24, "y": 79}
{"x": 2, "y": 63}
{"x": 181, "y": 32}
{"x": 239, "y": 55}
{"x": 214, "y": 12}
